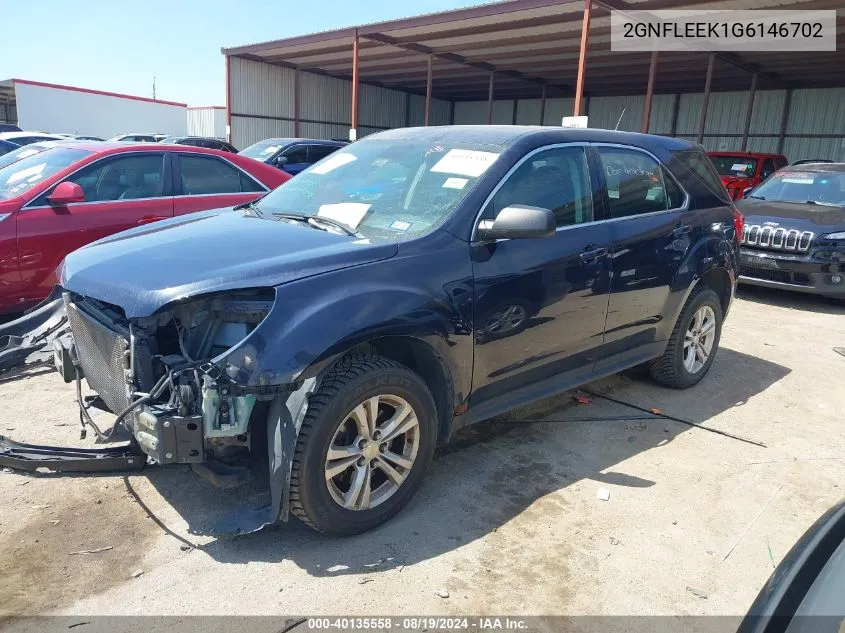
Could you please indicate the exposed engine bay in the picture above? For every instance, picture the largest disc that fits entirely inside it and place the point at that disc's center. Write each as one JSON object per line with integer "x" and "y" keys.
{"x": 165, "y": 376}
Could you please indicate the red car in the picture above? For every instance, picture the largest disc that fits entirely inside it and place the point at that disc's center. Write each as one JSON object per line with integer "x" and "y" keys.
{"x": 58, "y": 200}
{"x": 741, "y": 170}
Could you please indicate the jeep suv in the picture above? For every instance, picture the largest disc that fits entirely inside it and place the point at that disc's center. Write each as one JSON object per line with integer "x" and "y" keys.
{"x": 407, "y": 285}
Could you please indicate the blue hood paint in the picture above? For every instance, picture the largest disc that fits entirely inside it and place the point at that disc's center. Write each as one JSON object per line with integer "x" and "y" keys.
{"x": 145, "y": 268}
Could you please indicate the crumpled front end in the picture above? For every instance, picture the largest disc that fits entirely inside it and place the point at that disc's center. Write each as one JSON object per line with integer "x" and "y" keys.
{"x": 164, "y": 376}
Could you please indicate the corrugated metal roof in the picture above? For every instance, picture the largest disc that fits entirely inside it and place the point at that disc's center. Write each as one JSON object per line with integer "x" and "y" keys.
{"x": 533, "y": 42}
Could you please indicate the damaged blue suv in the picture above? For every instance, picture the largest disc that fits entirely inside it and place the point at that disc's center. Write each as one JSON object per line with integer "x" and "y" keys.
{"x": 409, "y": 284}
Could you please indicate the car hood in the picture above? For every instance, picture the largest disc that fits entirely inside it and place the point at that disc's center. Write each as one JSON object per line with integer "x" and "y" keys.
{"x": 145, "y": 268}
{"x": 793, "y": 215}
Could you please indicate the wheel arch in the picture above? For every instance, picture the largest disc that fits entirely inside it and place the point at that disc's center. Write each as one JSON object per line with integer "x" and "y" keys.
{"x": 418, "y": 355}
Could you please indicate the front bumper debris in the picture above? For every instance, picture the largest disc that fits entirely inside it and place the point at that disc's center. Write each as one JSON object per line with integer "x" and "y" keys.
{"x": 791, "y": 271}
{"x": 28, "y": 341}
{"x": 31, "y": 457}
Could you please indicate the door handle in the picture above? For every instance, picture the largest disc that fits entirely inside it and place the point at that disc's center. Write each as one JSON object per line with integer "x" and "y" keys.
{"x": 591, "y": 254}
{"x": 684, "y": 229}
{"x": 148, "y": 219}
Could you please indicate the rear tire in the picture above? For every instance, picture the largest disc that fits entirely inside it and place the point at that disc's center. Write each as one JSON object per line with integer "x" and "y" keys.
{"x": 360, "y": 403}
{"x": 691, "y": 350}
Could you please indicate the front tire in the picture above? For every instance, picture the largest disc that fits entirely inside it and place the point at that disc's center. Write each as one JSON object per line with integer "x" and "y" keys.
{"x": 365, "y": 443}
{"x": 693, "y": 344}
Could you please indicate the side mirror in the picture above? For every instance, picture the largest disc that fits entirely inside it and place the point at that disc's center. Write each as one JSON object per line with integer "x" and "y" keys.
{"x": 518, "y": 222}
{"x": 66, "y": 193}
{"x": 746, "y": 191}
{"x": 281, "y": 161}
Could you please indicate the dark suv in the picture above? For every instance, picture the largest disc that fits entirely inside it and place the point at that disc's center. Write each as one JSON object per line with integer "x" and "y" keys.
{"x": 409, "y": 284}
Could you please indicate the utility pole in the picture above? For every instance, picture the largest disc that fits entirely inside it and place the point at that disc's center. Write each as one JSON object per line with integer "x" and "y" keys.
{"x": 154, "y": 86}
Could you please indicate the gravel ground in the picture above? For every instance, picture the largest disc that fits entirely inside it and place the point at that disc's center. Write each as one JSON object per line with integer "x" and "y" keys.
{"x": 508, "y": 521}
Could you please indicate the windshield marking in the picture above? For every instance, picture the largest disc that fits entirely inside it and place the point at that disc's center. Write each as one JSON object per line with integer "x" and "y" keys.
{"x": 333, "y": 162}
{"x": 455, "y": 183}
{"x": 349, "y": 213}
{"x": 465, "y": 162}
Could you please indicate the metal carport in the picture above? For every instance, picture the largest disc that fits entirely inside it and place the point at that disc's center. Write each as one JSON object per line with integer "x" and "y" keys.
{"x": 535, "y": 56}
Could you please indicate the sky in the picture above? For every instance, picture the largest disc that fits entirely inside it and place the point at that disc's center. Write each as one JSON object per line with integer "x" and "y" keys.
{"x": 120, "y": 46}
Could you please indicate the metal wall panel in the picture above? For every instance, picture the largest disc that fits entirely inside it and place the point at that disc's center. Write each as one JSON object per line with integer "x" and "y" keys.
{"x": 801, "y": 148}
{"x": 606, "y": 112}
{"x": 766, "y": 145}
{"x": 379, "y": 107}
{"x": 726, "y": 113}
{"x": 324, "y": 130}
{"x": 689, "y": 108}
{"x": 259, "y": 88}
{"x": 246, "y": 131}
{"x": 470, "y": 112}
{"x": 817, "y": 111}
{"x": 660, "y": 120}
{"x": 558, "y": 108}
{"x": 502, "y": 112}
{"x": 327, "y": 99}
{"x": 8, "y": 113}
{"x": 209, "y": 122}
{"x": 768, "y": 109}
{"x": 528, "y": 112}
{"x": 440, "y": 111}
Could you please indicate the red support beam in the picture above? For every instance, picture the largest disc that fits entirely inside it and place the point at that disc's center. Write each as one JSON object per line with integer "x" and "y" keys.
{"x": 582, "y": 57}
{"x": 543, "y": 105}
{"x": 702, "y": 119}
{"x": 784, "y": 119}
{"x": 490, "y": 100}
{"x": 749, "y": 111}
{"x": 428, "y": 83}
{"x": 649, "y": 93}
{"x": 353, "y": 133}
{"x": 296, "y": 103}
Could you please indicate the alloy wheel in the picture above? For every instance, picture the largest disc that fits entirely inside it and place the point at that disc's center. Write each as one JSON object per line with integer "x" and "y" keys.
{"x": 372, "y": 452}
{"x": 699, "y": 339}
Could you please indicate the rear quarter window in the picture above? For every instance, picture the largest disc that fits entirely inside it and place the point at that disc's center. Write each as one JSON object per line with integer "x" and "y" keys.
{"x": 699, "y": 165}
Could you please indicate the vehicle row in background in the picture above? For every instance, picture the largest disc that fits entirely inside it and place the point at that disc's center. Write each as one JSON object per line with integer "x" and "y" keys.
{"x": 59, "y": 196}
{"x": 25, "y": 138}
{"x": 292, "y": 155}
{"x": 201, "y": 141}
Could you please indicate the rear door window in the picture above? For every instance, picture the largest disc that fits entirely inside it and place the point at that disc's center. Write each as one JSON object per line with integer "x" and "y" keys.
{"x": 637, "y": 183}
{"x": 701, "y": 167}
{"x": 296, "y": 155}
{"x": 319, "y": 152}
{"x": 206, "y": 175}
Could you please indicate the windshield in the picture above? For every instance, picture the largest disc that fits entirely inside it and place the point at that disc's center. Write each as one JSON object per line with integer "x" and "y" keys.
{"x": 21, "y": 152}
{"x": 262, "y": 150}
{"x": 825, "y": 188}
{"x": 734, "y": 165}
{"x": 23, "y": 175}
{"x": 385, "y": 189}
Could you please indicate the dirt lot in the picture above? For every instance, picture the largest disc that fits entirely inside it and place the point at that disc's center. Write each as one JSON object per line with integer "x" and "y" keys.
{"x": 508, "y": 521}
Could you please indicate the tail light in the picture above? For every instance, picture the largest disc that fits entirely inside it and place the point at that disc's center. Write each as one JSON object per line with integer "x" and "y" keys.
{"x": 739, "y": 224}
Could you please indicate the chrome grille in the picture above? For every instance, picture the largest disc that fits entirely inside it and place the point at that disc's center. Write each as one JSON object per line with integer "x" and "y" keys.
{"x": 777, "y": 238}
{"x": 100, "y": 352}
